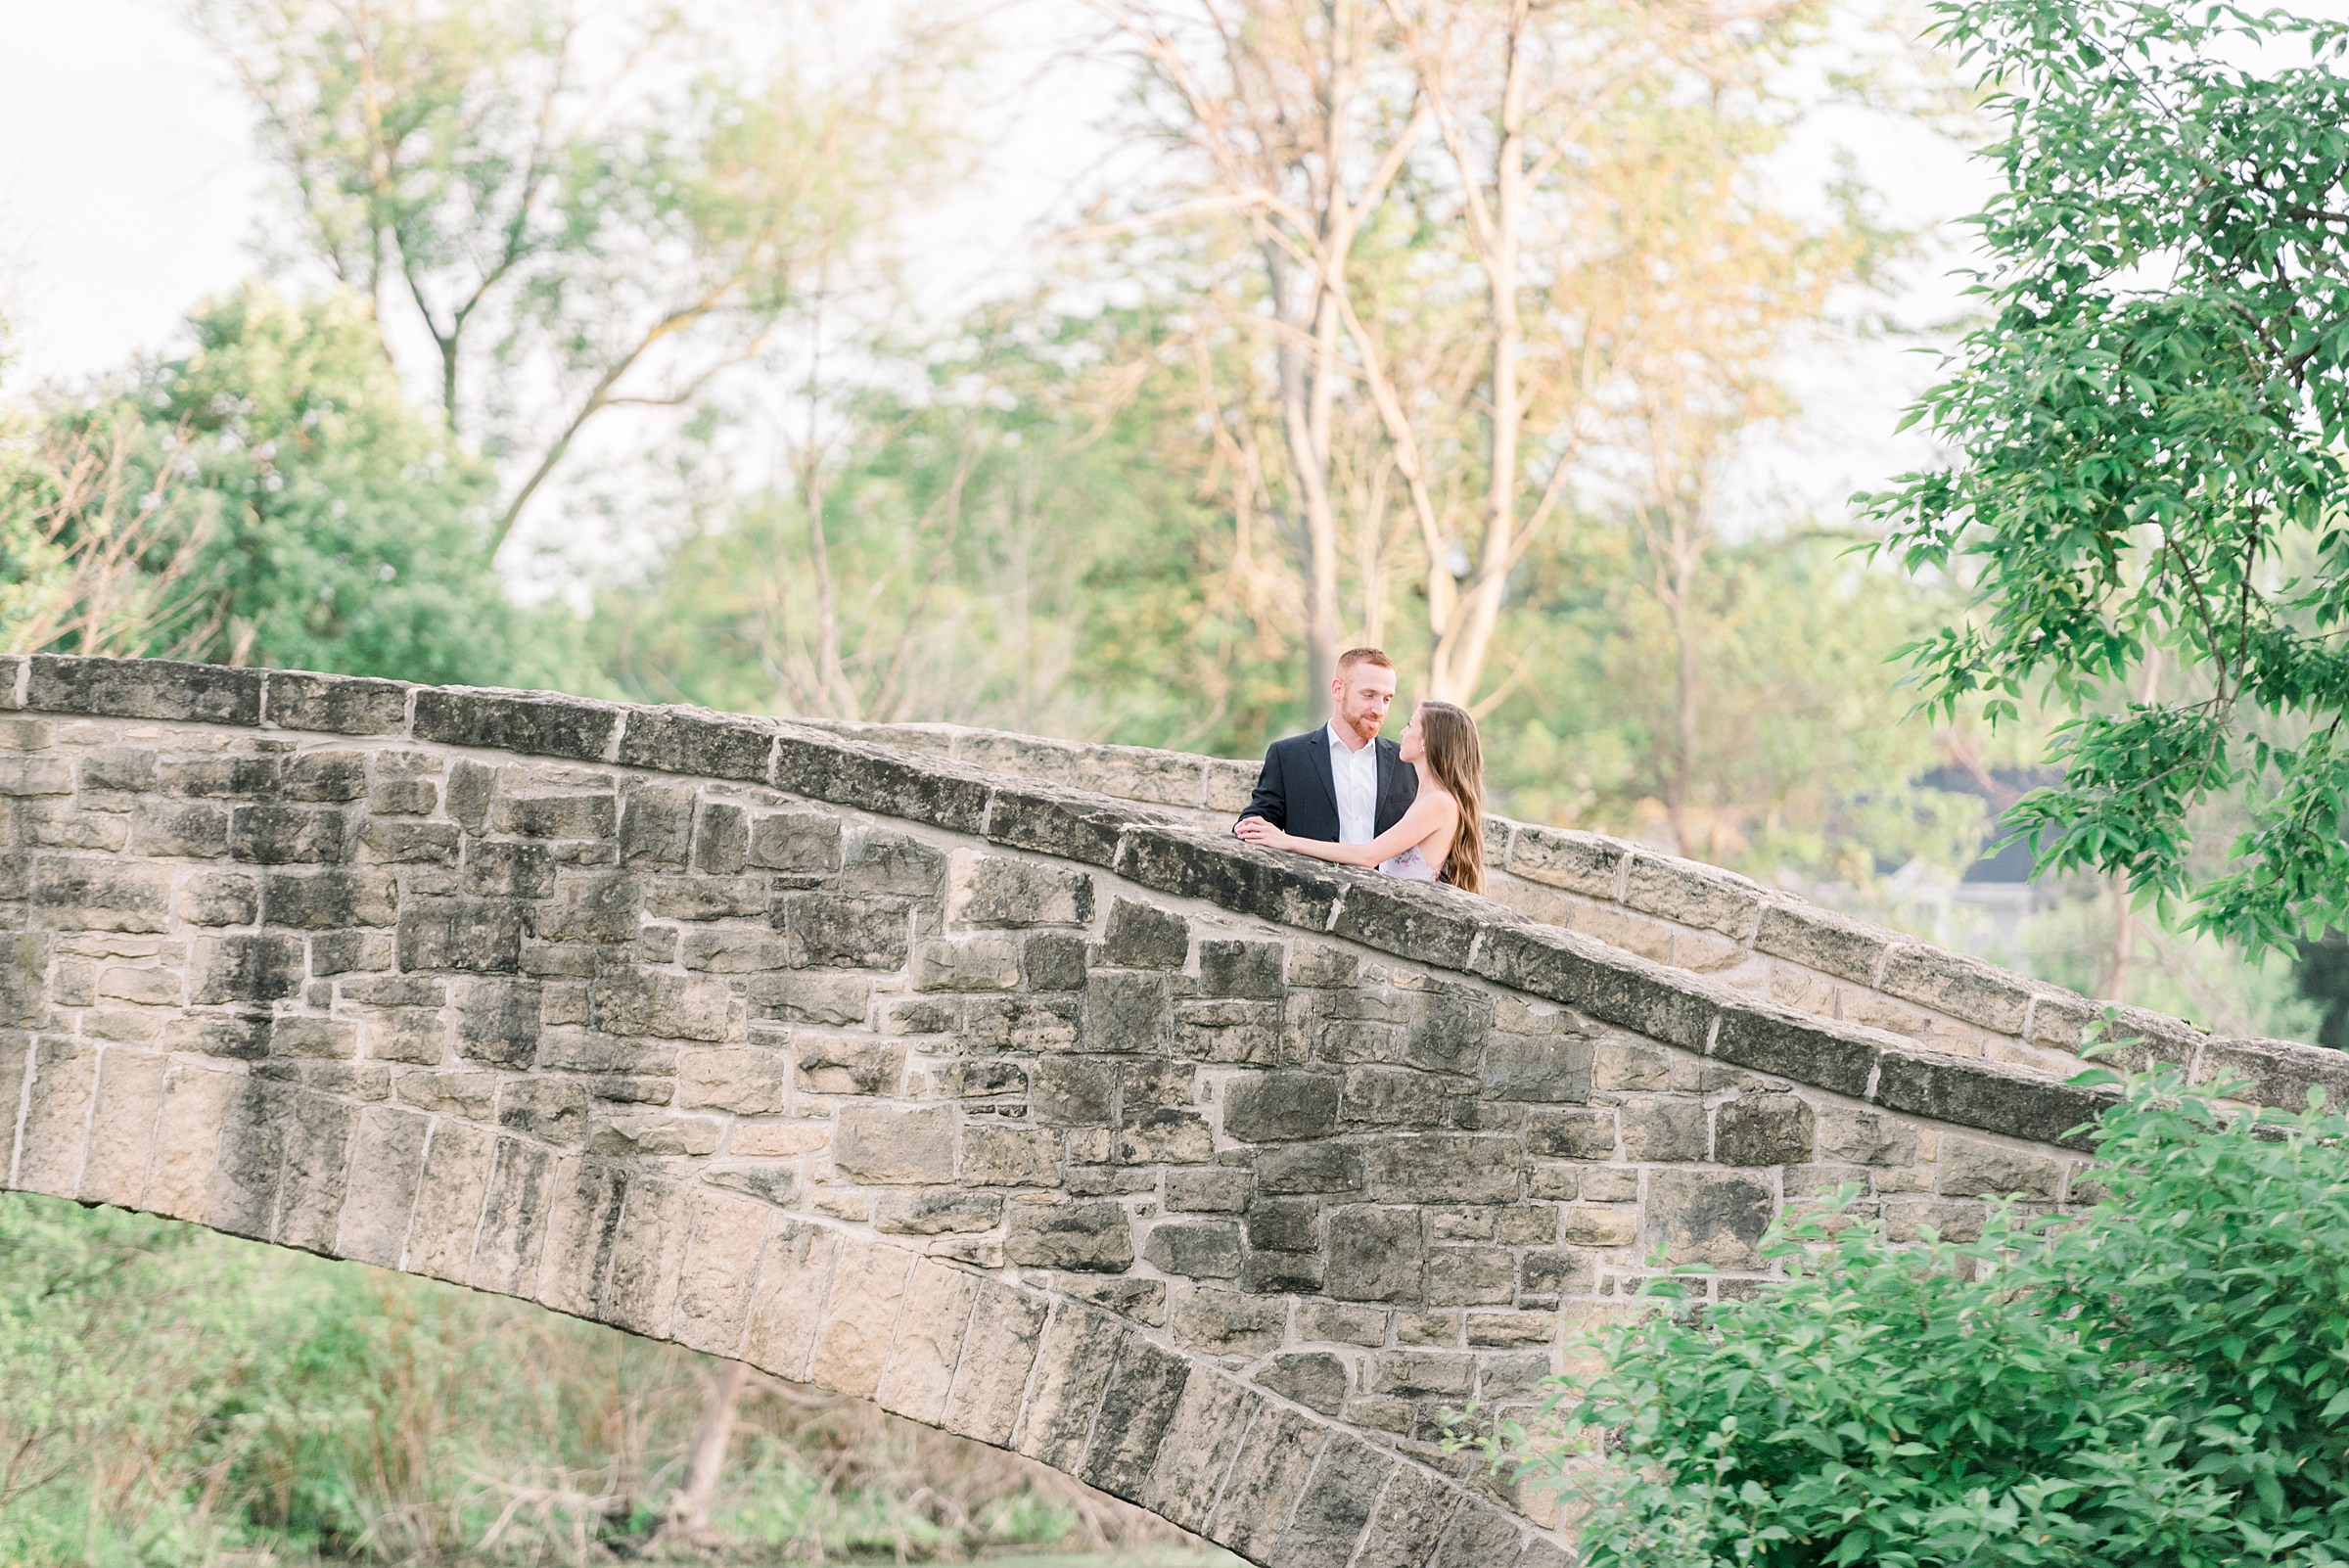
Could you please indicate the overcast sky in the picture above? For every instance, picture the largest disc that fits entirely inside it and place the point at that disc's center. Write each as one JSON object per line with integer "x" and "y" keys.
{"x": 129, "y": 191}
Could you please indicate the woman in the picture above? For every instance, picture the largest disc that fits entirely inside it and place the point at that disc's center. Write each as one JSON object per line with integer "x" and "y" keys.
{"x": 1442, "y": 837}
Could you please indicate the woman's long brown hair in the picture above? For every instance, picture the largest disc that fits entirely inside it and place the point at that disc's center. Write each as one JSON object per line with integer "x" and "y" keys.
{"x": 1456, "y": 758}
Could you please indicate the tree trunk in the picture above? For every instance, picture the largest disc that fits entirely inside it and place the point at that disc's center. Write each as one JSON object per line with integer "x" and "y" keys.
{"x": 689, "y": 1511}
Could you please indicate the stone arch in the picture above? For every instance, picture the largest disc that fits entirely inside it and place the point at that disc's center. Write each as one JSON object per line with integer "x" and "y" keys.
{"x": 1038, "y": 1115}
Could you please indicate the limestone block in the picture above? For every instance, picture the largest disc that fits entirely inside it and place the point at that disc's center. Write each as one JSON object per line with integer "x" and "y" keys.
{"x": 187, "y": 1140}
{"x": 1334, "y": 1510}
{"x": 1481, "y": 1536}
{"x": 1126, "y": 1011}
{"x": 833, "y": 1064}
{"x": 997, "y": 890}
{"x": 968, "y": 963}
{"x": 653, "y": 1132}
{"x": 884, "y": 1144}
{"x": 1375, "y": 1254}
{"x": 1209, "y": 1423}
{"x": 1865, "y": 1137}
{"x": 1663, "y": 1130}
{"x": 592, "y": 907}
{"x": 669, "y": 1006}
{"x": 144, "y": 688}
{"x": 387, "y": 1168}
{"x": 787, "y": 1303}
{"x": 1759, "y": 1129}
{"x": 685, "y": 740}
{"x": 340, "y": 704}
{"x": 550, "y": 1109}
{"x": 860, "y": 1317}
{"x": 481, "y": 1209}
{"x": 1281, "y": 1106}
{"x": 1142, "y": 936}
{"x": 920, "y": 1372}
{"x": 1971, "y": 1167}
{"x": 318, "y": 1171}
{"x": 130, "y": 1092}
{"x": 720, "y": 1270}
{"x": 1073, "y": 1362}
{"x": 1226, "y": 1322}
{"x": 1961, "y": 986}
{"x": 1588, "y": 1134}
{"x": 1145, "y": 1390}
{"x": 584, "y": 1221}
{"x": 56, "y": 1115}
{"x": 1415, "y": 1508}
{"x": 97, "y": 894}
{"x": 1557, "y": 857}
{"x": 831, "y": 930}
{"x": 1790, "y": 1045}
{"x": 721, "y": 837}
{"x": 1267, "y": 1476}
{"x": 745, "y": 1081}
{"x": 807, "y": 843}
{"x": 1006, "y": 1327}
{"x": 1010, "y": 1156}
{"x": 479, "y": 936}
{"x": 1447, "y": 1167}
{"x": 1093, "y": 1236}
{"x": 1053, "y": 960}
{"x": 777, "y": 1140}
{"x": 1708, "y": 1217}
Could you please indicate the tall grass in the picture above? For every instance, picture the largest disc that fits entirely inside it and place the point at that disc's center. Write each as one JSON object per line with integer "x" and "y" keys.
{"x": 170, "y": 1397}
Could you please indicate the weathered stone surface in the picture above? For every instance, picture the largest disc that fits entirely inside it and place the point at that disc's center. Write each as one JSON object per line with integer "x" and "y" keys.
{"x": 1073, "y": 1366}
{"x": 794, "y": 1273}
{"x": 1089, "y": 1234}
{"x": 1335, "y": 1508}
{"x": 1209, "y": 1422}
{"x": 684, "y": 1055}
{"x": 338, "y": 705}
{"x": 1006, "y": 1327}
{"x": 1267, "y": 1476}
{"x": 875, "y": 1143}
{"x": 1145, "y": 1390}
{"x": 1711, "y": 1218}
{"x": 1984, "y": 1095}
{"x": 1281, "y": 1107}
{"x": 1375, "y": 1255}
{"x": 144, "y": 688}
{"x": 537, "y": 724}
{"x": 1760, "y": 1129}
{"x": 1414, "y": 1510}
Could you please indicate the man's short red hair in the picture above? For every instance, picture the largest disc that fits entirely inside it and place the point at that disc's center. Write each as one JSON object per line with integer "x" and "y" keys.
{"x": 1364, "y": 656}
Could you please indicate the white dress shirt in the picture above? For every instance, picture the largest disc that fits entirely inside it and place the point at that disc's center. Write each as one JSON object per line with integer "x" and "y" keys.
{"x": 1356, "y": 776}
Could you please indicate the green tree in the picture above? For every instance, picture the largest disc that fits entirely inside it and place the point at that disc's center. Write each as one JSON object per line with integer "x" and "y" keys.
{"x": 581, "y": 214}
{"x": 269, "y": 497}
{"x": 2149, "y": 431}
{"x": 1031, "y": 542}
{"x": 345, "y": 532}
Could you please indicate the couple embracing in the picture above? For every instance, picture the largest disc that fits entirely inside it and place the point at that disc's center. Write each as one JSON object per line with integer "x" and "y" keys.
{"x": 1412, "y": 810}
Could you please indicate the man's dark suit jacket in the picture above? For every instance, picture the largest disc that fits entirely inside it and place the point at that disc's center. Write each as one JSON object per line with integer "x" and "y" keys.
{"x": 1297, "y": 794}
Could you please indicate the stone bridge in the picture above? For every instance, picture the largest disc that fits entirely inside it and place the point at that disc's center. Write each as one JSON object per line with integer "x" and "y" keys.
{"x": 981, "y": 1076}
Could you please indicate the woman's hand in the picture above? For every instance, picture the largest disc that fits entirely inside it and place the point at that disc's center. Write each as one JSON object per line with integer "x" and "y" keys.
{"x": 1255, "y": 830}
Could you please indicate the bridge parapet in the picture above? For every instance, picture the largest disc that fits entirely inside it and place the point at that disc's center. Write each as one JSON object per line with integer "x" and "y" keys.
{"x": 1209, "y": 1178}
{"x": 1674, "y": 911}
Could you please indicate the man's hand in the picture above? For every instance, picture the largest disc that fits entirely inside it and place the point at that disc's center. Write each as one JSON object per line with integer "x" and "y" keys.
{"x": 1255, "y": 830}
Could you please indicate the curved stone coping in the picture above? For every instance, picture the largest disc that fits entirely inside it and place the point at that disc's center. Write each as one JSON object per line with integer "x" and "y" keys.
{"x": 1691, "y": 915}
{"x": 1425, "y": 923}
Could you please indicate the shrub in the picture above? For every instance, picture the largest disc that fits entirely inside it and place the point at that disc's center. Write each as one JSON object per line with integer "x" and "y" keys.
{"x": 2157, "y": 1382}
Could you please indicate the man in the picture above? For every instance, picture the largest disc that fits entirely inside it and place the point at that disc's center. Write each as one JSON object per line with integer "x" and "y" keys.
{"x": 1340, "y": 783}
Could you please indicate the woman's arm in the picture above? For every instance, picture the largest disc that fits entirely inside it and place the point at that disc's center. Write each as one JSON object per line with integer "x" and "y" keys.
{"x": 1432, "y": 810}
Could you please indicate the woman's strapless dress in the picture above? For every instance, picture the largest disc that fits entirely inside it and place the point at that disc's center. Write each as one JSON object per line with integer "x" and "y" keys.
{"x": 1410, "y": 865}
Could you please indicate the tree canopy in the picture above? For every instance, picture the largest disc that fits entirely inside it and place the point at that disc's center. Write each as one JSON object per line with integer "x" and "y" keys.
{"x": 2148, "y": 429}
